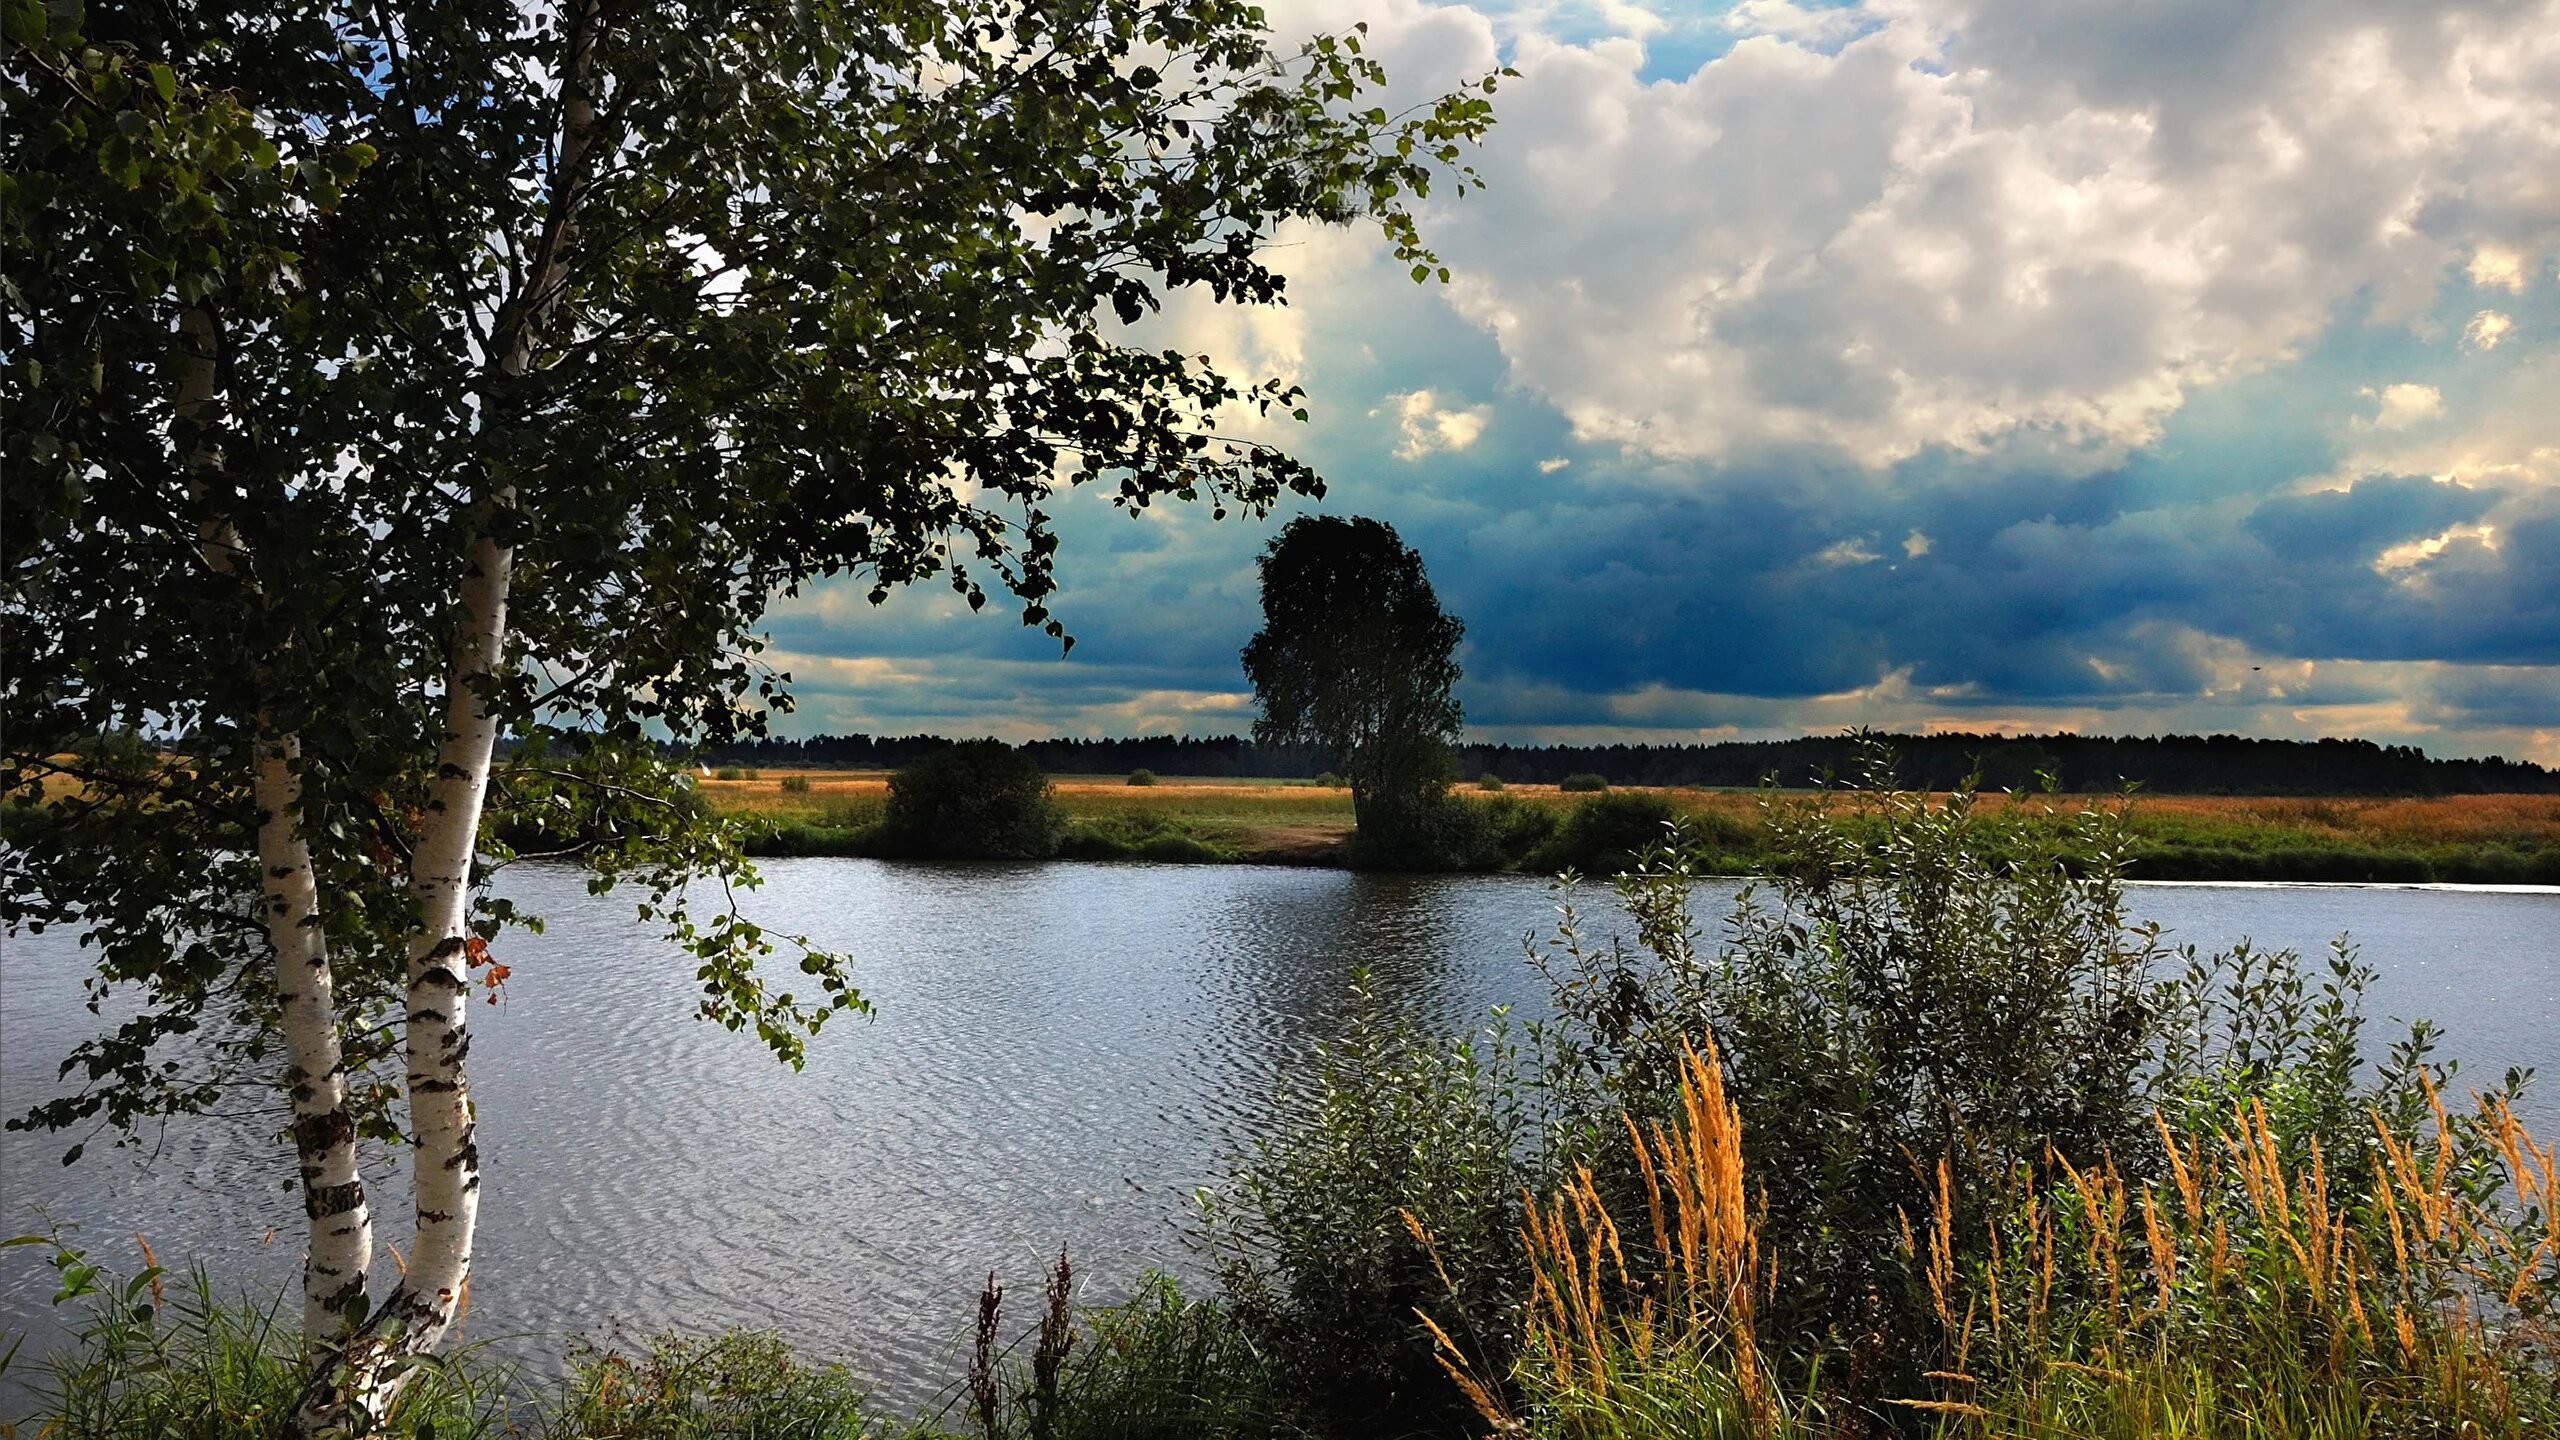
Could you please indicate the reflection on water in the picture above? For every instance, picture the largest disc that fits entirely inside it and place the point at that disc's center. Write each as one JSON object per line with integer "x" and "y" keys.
{"x": 1062, "y": 1053}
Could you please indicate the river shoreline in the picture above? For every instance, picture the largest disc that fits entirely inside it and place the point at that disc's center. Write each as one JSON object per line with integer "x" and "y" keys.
{"x": 2471, "y": 840}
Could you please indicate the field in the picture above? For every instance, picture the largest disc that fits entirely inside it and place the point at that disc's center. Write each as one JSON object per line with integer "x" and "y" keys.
{"x": 2458, "y": 838}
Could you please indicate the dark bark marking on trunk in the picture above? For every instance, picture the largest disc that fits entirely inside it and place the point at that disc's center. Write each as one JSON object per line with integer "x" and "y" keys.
{"x": 328, "y": 1200}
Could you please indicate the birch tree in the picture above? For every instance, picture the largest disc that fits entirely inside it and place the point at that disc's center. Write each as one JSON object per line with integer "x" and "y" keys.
{"x": 412, "y": 412}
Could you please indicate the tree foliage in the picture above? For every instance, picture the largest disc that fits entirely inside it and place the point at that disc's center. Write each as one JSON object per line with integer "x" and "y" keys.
{"x": 384, "y": 378}
{"x": 1356, "y": 660}
{"x": 843, "y": 300}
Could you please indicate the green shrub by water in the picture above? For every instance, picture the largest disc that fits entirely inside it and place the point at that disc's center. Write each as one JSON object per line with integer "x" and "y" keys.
{"x": 156, "y": 1356}
{"x": 1311, "y": 1244}
{"x": 1445, "y": 832}
{"x": 1158, "y": 1366}
{"x": 1137, "y": 836}
{"x": 976, "y": 800}
{"x": 1605, "y": 833}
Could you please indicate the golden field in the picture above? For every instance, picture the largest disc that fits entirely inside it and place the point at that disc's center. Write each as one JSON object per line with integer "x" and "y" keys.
{"x": 2456, "y": 837}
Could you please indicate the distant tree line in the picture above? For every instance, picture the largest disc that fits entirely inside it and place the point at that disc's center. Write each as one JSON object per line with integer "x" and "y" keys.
{"x": 1218, "y": 756}
{"x": 2167, "y": 764}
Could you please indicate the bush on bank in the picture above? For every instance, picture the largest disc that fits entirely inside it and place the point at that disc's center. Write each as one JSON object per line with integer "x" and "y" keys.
{"x": 976, "y": 800}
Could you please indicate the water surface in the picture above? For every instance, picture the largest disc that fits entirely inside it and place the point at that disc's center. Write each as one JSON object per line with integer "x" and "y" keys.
{"x": 1062, "y": 1054}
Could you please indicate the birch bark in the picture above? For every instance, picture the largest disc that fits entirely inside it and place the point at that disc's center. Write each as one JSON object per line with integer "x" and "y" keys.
{"x": 445, "y": 1157}
{"x": 338, "y": 1238}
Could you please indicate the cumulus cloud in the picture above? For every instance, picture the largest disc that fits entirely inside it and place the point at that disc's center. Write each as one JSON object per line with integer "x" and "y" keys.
{"x": 2495, "y": 267}
{"x": 2397, "y": 407}
{"x": 1974, "y": 222}
{"x": 1429, "y": 426}
{"x": 2502, "y": 432}
{"x": 1818, "y": 25}
{"x": 2487, "y": 328}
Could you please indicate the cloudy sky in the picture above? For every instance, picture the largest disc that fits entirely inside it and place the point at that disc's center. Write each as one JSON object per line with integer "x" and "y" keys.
{"x": 2111, "y": 365}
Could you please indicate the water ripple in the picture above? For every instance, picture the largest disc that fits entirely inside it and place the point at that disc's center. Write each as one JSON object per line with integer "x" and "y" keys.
{"x": 1062, "y": 1053}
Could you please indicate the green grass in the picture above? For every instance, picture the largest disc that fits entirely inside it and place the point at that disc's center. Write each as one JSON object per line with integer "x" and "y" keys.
{"x": 169, "y": 1358}
{"x": 153, "y": 1360}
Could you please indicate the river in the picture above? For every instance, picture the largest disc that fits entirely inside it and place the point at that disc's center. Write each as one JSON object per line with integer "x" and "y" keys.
{"x": 1061, "y": 1054}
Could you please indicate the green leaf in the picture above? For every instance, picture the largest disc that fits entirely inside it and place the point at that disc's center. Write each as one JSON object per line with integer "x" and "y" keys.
{"x": 164, "y": 82}
{"x": 26, "y": 23}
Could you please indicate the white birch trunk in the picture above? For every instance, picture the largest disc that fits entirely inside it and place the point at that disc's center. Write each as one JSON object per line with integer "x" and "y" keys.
{"x": 350, "y": 1393}
{"x": 338, "y": 1239}
{"x": 440, "y": 1116}
{"x": 444, "y": 1156}
{"x": 351, "y": 1397}
{"x": 338, "y": 1248}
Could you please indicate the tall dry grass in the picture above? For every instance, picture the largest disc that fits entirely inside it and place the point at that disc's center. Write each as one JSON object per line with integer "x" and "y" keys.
{"x": 2411, "y": 1294}
{"x": 2412, "y": 1290}
{"x": 1621, "y": 1337}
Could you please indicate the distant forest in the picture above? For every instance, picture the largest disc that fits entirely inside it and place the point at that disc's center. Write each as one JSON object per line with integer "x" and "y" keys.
{"x": 2166, "y": 764}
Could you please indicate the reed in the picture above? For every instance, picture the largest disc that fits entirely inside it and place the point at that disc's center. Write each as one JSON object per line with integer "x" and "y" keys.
{"x": 2408, "y": 1290}
{"x": 1645, "y": 1330}
{"x": 2408, "y": 1294}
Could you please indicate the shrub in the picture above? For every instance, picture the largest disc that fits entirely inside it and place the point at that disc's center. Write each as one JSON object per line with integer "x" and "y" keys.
{"x": 1490, "y": 782}
{"x": 1142, "y": 777}
{"x": 1908, "y": 987}
{"x": 2237, "y": 1293}
{"x": 1312, "y": 1245}
{"x": 1512, "y": 831}
{"x": 1582, "y": 784}
{"x": 976, "y": 800}
{"x": 1163, "y": 1367}
{"x": 729, "y": 772}
{"x": 1332, "y": 780}
{"x": 1920, "y": 982}
{"x": 1137, "y": 837}
{"x": 795, "y": 784}
{"x": 1618, "y": 1337}
{"x": 1442, "y": 831}
{"x": 1605, "y": 833}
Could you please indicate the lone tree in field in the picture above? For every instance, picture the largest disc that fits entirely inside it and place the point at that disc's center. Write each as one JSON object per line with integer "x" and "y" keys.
{"x": 1356, "y": 659}
{"x": 385, "y": 382}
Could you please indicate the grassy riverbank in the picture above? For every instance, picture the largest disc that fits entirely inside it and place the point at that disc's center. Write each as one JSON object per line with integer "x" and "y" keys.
{"x": 2466, "y": 839}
